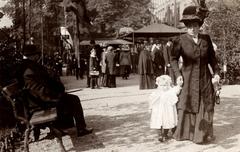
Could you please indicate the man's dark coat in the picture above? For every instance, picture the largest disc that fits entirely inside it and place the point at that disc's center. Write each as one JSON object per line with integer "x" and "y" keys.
{"x": 111, "y": 61}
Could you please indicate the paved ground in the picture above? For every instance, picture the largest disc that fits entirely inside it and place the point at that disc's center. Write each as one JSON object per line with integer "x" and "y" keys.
{"x": 120, "y": 120}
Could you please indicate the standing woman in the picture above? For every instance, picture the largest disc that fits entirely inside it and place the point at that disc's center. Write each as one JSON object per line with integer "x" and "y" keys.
{"x": 125, "y": 61}
{"x": 103, "y": 80}
{"x": 196, "y": 100}
{"x": 93, "y": 69}
{"x": 111, "y": 61}
{"x": 145, "y": 68}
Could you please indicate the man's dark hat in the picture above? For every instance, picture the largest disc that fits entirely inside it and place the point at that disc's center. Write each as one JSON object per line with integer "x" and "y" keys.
{"x": 30, "y": 50}
{"x": 92, "y": 41}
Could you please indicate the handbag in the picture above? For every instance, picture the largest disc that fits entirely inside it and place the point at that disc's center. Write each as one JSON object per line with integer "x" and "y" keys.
{"x": 95, "y": 73}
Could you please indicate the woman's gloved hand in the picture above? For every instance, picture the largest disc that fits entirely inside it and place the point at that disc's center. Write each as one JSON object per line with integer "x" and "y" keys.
{"x": 216, "y": 78}
{"x": 180, "y": 81}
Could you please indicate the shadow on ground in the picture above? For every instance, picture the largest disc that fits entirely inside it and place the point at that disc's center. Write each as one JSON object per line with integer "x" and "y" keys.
{"x": 125, "y": 124}
{"x": 70, "y": 82}
{"x": 120, "y": 130}
{"x": 129, "y": 130}
{"x": 227, "y": 122}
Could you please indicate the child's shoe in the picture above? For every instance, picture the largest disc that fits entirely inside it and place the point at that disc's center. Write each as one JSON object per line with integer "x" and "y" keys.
{"x": 161, "y": 139}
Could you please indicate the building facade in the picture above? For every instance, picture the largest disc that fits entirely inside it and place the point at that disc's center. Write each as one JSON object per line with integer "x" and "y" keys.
{"x": 169, "y": 11}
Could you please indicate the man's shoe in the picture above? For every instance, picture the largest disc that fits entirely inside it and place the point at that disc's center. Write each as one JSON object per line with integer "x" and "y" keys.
{"x": 84, "y": 131}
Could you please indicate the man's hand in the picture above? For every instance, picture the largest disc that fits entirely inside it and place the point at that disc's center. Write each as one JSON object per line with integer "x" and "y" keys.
{"x": 180, "y": 81}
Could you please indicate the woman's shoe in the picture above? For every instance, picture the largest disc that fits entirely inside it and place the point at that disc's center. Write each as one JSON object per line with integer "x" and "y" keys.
{"x": 209, "y": 139}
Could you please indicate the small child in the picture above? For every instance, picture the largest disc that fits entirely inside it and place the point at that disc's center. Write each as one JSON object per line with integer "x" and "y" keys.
{"x": 163, "y": 107}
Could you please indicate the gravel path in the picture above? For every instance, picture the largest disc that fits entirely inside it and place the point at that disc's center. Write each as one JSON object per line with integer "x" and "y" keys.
{"x": 120, "y": 120}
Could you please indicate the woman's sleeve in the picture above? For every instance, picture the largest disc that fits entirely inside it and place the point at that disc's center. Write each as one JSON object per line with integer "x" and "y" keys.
{"x": 212, "y": 57}
{"x": 174, "y": 56}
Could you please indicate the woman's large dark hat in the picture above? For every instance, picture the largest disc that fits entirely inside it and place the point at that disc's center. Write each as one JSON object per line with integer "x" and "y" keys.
{"x": 194, "y": 14}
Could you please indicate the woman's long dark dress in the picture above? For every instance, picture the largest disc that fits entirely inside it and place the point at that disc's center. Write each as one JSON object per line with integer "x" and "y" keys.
{"x": 196, "y": 100}
{"x": 145, "y": 68}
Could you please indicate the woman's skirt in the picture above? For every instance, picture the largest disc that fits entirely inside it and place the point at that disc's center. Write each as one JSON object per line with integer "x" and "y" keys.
{"x": 125, "y": 70}
{"x": 146, "y": 81}
{"x": 194, "y": 126}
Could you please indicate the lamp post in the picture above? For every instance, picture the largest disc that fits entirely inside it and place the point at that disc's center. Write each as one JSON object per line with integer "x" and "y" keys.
{"x": 43, "y": 7}
{"x": 224, "y": 55}
{"x": 30, "y": 17}
{"x": 24, "y": 26}
{"x": 175, "y": 13}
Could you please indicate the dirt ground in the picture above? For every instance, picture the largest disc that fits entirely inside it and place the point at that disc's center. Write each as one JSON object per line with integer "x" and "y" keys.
{"x": 120, "y": 119}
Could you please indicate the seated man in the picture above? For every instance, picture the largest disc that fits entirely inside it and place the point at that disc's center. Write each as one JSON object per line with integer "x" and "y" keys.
{"x": 48, "y": 91}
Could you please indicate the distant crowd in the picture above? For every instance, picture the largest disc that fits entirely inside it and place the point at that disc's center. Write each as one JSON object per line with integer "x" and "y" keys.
{"x": 101, "y": 63}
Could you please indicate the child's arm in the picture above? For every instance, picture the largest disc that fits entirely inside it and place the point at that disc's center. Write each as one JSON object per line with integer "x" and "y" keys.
{"x": 177, "y": 89}
{"x": 172, "y": 95}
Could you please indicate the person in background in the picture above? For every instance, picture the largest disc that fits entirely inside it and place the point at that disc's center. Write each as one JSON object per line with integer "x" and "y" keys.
{"x": 92, "y": 46}
{"x": 197, "y": 99}
{"x": 117, "y": 51}
{"x": 69, "y": 65}
{"x": 157, "y": 58}
{"x": 111, "y": 61}
{"x": 125, "y": 62}
{"x": 166, "y": 54}
{"x": 75, "y": 66}
{"x": 59, "y": 63}
{"x": 94, "y": 68}
{"x": 103, "y": 80}
{"x": 145, "y": 67}
{"x": 134, "y": 59}
{"x": 82, "y": 67}
{"x": 44, "y": 91}
{"x": 99, "y": 51}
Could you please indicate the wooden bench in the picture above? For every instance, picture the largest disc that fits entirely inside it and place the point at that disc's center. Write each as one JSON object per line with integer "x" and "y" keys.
{"x": 41, "y": 117}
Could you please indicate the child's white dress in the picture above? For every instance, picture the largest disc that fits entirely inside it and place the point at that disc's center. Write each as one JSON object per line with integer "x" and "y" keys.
{"x": 163, "y": 106}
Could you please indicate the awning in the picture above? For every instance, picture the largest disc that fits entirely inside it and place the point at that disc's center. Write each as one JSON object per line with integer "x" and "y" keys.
{"x": 107, "y": 42}
{"x": 157, "y": 30}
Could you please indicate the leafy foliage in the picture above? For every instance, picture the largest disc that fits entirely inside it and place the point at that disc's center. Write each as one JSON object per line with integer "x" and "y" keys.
{"x": 224, "y": 27}
{"x": 111, "y": 15}
{"x": 106, "y": 16}
{"x": 38, "y": 14}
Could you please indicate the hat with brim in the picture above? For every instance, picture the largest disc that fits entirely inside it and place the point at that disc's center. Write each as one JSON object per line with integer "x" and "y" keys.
{"x": 30, "y": 50}
{"x": 125, "y": 48}
{"x": 192, "y": 14}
